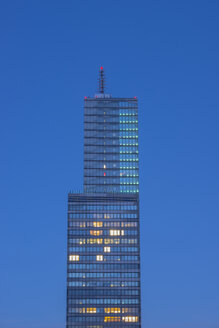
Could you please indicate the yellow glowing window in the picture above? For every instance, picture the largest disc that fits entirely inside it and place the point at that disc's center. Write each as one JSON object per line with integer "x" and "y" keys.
{"x": 115, "y": 310}
{"x": 107, "y": 310}
{"x": 73, "y": 257}
{"x": 91, "y": 310}
{"x": 97, "y": 224}
{"x": 111, "y": 319}
{"x": 130, "y": 319}
{"x": 104, "y": 166}
{"x": 111, "y": 241}
{"x": 96, "y": 232}
{"x": 112, "y": 310}
{"x": 107, "y": 249}
{"x": 94, "y": 241}
{"x": 99, "y": 257}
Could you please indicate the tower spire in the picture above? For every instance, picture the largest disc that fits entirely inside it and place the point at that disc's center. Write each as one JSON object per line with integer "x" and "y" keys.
{"x": 101, "y": 80}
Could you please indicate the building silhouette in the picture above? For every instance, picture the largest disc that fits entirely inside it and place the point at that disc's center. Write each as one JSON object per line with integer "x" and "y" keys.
{"x": 103, "y": 260}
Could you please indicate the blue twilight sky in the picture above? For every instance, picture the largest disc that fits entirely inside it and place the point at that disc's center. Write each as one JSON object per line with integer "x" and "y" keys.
{"x": 167, "y": 54}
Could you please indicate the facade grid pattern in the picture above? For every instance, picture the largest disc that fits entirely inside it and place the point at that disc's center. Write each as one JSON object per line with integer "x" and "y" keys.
{"x": 103, "y": 242}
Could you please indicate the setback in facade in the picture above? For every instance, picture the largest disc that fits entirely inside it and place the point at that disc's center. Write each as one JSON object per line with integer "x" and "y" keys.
{"x": 103, "y": 260}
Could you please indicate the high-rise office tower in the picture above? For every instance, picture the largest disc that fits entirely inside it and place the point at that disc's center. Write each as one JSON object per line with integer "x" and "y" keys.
{"x": 103, "y": 274}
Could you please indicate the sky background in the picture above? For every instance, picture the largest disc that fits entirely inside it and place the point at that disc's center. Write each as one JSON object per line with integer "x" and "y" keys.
{"x": 165, "y": 53}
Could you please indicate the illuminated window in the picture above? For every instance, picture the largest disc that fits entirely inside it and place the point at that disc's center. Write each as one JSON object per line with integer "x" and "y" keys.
{"x": 107, "y": 249}
{"x": 96, "y": 232}
{"x": 111, "y": 319}
{"x": 97, "y": 224}
{"x": 130, "y": 319}
{"x": 73, "y": 257}
{"x": 107, "y": 310}
{"x": 111, "y": 241}
{"x": 116, "y": 232}
{"x": 112, "y": 310}
{"x": 129, "y": 224}
{"x": 94, "y": 241}
{"x": 99, "y": 257}
{"x": 81, "y": 310}
{"x": 104, "y": 166}
{"x": 128, "y": 310}
{"x": 91, "y": 310}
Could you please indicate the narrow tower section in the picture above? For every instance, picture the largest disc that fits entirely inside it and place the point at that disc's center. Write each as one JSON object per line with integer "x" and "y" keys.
{"x": 110, "y": 143}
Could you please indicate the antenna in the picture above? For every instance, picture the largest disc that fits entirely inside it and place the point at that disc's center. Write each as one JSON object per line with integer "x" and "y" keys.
{"x": 101, "y": 80}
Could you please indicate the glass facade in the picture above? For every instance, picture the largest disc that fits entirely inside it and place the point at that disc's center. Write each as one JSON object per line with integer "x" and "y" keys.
{"x": 103, "y": 259}
{"x": 103, "y": 275}
{"x": 111, "y": 145}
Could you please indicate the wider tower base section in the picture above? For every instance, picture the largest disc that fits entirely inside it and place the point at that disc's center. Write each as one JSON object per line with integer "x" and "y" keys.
{"x": 103, "y": 274}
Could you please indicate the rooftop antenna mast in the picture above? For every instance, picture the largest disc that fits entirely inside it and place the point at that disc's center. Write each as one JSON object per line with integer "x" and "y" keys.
{"x": 101, "y": 80}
